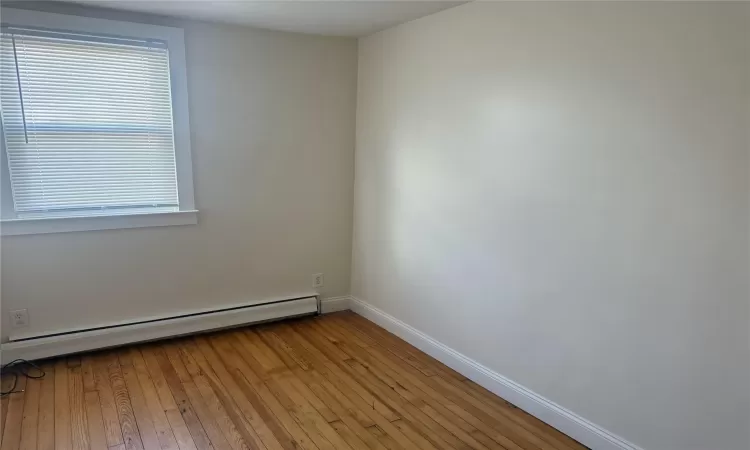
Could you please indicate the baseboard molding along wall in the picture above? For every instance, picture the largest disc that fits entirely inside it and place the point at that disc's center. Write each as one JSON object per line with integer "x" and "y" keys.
{"x": 74, "y": 342}
{"x": 191, "y": 322}
{"x": 333, "y": 304}
{"x": 568, "y": 422}
{"x": 555, "y": 415}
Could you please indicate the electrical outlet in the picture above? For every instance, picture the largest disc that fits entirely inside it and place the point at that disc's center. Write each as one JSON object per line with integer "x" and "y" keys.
{"x": 19, "y": 318}
{"x": 318, "y": 280}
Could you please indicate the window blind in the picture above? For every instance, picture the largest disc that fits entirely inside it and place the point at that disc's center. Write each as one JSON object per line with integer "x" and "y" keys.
{"x": 87, "y": 123}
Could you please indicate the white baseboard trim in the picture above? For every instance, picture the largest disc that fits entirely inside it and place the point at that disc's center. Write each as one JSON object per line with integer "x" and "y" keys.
{"x": 334, "y": 304}
{"x": 566, "y": 421}
{"x": 74, "y": 341}
{"x": 98, "y": 338}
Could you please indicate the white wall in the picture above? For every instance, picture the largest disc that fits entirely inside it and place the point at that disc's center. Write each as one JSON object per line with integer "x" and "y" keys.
{"x": 272, "y": 128}
{"x": 560, "y": 192}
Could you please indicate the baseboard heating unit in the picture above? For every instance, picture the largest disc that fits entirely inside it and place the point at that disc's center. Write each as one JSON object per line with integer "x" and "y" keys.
{"x": 31, "y": 347}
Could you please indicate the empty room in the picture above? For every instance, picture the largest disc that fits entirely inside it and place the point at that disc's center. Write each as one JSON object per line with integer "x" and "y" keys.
{"x": 374, "y": 224}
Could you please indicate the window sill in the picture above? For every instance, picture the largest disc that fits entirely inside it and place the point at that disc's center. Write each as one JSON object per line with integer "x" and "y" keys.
{"x": 17, "y": 227}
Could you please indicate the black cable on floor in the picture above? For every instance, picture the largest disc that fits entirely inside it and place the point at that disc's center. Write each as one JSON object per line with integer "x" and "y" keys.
{"x": 19, "y": 368}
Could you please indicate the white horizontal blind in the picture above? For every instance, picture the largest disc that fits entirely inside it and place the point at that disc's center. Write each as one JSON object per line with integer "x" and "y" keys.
{"x": 88, "y": 124}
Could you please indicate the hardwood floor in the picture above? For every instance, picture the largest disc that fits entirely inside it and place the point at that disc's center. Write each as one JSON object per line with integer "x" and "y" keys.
{"x": 332, "y": 382}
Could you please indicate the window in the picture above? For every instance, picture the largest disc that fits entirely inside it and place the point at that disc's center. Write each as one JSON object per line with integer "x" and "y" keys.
{"x": 92, "y": 138}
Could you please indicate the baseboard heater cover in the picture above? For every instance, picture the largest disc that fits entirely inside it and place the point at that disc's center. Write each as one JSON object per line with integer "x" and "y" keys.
{"x": 39, "y": 347}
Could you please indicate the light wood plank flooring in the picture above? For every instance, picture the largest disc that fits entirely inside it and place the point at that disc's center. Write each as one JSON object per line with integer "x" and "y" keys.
{"x": 332, "y": 382}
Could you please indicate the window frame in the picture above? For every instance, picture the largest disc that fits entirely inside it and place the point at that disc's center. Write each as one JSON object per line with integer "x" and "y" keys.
{"x": 11, "y": 224}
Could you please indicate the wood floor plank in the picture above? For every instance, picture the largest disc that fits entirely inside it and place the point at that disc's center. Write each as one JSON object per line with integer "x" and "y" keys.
{"x": 231, "y": 389}
{"x": 79, "y": 434}
{"x": 235, "y": 431}
{"x": 503, "y": 431}
{"x": 287, "y": 353}
{"x": 485, "y": 440}
{"x": 300, "y": 438}
{"x": 411, "y": 355}
{"x": 269, "y": 360}
{"x": 87, "y": 370}
{"x": 304, "y": 422}
{"x": 186, "y": 425}
{"x": 323, "y": 389}
{"x": 360, "y": 437}
{"x": 335, "y": 382}
{"x": 166, "y": 398}
{"x": 185, "y": 440}
{"x": 400, "y": 372}
{"x": 62, "y": 407}
{"x": 224, "y": 396}
{"x": 164, "y": 432}
{"x": 392, "y": 342}
{"x": 312, "y": 416}
{"x": 327, "y": 365}
{"x": 73, "y": 361}
{"x": 30, "y": 422}
{"x": 313, "y": 398}
{"x": 349, "y": 389}
{"x": 5, "y": 385}
{"x": 110, "y": 419}
{"x": 355, "y": 401}
{"x": 348, "y": 435}
{"x": 231, "y": 359}
{"x": 337, "y": 401}
{"x": 523, "y": 418}
{"x": 199, "y": 420}
{"x": 384, "y": 438}
{"x": 377, "y": 389}
{"x": 429, "y": 433}
{"x": 130, "y": 435}
{"x": 453, "y": 429}
{"x": 12, "y": 432}
{"x": 276, "y": 397}
{"x": 143, "y": 418}
{"x": 505, "y": 424}
{"x": 7, "y": 382}
{"x": 348, "y": 422}
{"x": 258, "y": 372}
{"x": 171, "y": 433}
{"x": 443, "y": 432}
{"x": 456, "y": 421}
{"x": 97, "y": 435}
{"x": 46, "y": 427}
{"x": 415, "y": 431}
{"x": 175, "y": 359}
{"x": 220, "y": 427}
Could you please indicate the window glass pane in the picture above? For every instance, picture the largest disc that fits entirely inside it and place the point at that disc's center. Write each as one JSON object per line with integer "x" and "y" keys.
{"x": 88, "y": 125}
